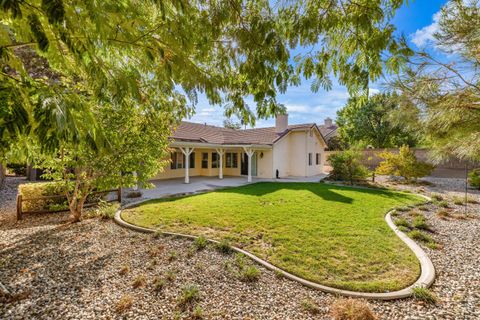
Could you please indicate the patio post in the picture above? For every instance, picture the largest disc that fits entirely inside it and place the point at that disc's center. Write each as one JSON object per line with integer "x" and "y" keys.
{"x": 220, "y": 152}
{"x": 249, "y": 153}
{"x": 187, "y": 151}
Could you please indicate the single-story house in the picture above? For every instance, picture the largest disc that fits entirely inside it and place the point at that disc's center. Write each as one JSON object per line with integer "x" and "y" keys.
{"x": 280, "y": 151}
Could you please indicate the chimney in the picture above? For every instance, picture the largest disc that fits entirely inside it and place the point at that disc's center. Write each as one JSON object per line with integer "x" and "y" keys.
{"x": 328, "y": 122}
{"x": 281, "y": 123}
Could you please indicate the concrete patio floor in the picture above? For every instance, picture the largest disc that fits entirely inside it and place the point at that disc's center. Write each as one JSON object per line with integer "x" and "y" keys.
{"x": 178, "y": 186}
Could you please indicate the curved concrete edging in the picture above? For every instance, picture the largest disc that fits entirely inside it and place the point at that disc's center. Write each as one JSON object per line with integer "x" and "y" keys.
{"x": 426, "y": 278}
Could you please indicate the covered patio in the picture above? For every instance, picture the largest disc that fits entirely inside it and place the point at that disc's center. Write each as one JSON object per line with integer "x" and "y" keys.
{"x": 177, "y": 186}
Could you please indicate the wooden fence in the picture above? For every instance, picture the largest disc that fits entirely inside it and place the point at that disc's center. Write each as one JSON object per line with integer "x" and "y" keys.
{"x": 21, "y": 199}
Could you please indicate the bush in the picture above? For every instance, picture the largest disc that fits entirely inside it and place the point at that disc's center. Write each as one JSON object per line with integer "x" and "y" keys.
{"x": 310, "y": 306}
{"x": 189, "y": 295}
{"x": 420, "y": 223}
{"x": 224, "y": 246}
{"x": 421, "y": 293}
{"x": 19, "y": 169}
{"x": 347, "y": 166}
{"x": 200, "y": 243}
{"x": 249, "y": 274}
{"x": 51, "y": 188}
{"x": 351, "y": 309}
{"x": 402, "y": 223}
{"x": 404, "y": 164}
{"x": 474, "y": 178}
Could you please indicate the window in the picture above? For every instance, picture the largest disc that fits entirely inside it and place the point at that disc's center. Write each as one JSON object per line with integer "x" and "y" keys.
{"x": 214, "y": 160}
{"x": 204, "y": 160}
{"x": 231, "y": 160}
{"x": 317, "y": 159}
{"x": 191, "y": 161}
{"x": 177, "y": 160}
{"x": 309, "y": 158}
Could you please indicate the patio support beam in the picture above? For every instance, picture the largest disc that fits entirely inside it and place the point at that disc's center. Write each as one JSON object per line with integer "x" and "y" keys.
{"x": 187, "y": 151}
{"x": 250, "y": 152}
{"x": 220, "y": 152}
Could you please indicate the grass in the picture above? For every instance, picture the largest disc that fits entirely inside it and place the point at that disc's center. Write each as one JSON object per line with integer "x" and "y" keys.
{"x": 351, "y": 309}
{"x": 333, "y": 235}
{"x": 420, "y": 223}
{"x": 310, "y": 306}
{"x": 189, "y": 295}
{"x": 423, "y": 294}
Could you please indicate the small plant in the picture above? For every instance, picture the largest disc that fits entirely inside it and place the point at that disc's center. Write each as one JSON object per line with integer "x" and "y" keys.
{"x": 443, "y": 214}
{"x": 278, "y": 274}
{"x": 157, "y": 234}
{"x": 459, "y": 201}
{"x": 124, "y": 270}
{"x": 249, "y": 274}
{"x": 423, "y": 208}
{"x": 414, "y": 213}
{"x": 139, "y": 281}
{"x": 402, "y": 223}
{"x": 474, "y": 178}
{"x": 420, "y": 223}
{"x": 200, "y": 243}
{"x": 351, "y": 309}
{"x": 443, "y": 204}
{"x": 423, "y": 294}
{"x": 197, "y": 313}
{"x": 106, "y": 210}
{"x": 224, "y": 246}
{"x": 437, "y": 197}
{"x": 310, "y": 306}
{"x": 420, "y": 236}
{"x": 170, "y": 275}
{"x": 172, "y": 256}
{"x": 189, "y": 295}
{"x": 403, "y": 229}
{"x": 125, "y": 303}
{"x": 158, "y": 284}
{"x": 472, "y": 200}
{"x": 403, "y": 209}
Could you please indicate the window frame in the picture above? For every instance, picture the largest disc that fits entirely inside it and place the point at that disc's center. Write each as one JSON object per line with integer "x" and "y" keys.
{"x": 231, "y": 160}
{"x": 215, "y": 160}
{"x": 205, "y": 160}
{"x": 317, "y": 159}
{"x": 310, "y": 159}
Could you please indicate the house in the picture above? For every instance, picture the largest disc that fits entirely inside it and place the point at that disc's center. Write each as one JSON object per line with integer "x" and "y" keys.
{"x": 280, "y": 151}
{"x": 329, "y": 129}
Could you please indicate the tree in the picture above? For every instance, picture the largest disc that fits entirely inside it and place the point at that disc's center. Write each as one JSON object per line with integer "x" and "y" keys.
{"x": 148, "y": 55}
{"x": 442, "y": 94}
{"x": 371, "y": 123}
{"x": 229, "y": 123}
{"x": 347, "y": 166}
{"x": 404, "y": 164}
{"x": 134, "y": 142}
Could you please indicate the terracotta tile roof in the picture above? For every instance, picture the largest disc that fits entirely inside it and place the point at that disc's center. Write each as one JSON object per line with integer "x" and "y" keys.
{"x": 197, "y": 132}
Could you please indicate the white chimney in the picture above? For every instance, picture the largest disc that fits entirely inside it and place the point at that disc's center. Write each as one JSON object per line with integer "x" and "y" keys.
{"x": 328, "y": 122}
{"x": 281, "y": 123}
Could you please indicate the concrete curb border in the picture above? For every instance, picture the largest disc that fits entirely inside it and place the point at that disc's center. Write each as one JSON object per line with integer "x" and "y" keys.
{"x": 426, "y": 278}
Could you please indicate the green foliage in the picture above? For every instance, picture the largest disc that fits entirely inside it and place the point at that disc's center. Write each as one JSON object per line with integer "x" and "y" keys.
{"x": 419, "y": 222}
{"x": 474, "y": 178}
{"x": 41, "y": 189}
{"x": 224, "y": 246}
{"x": 189, "y": 295}
{"x": 440, "y": 97}
{"x": 249, "y": 274}
{"x": 371, "y": 123}
{"x": 106, "y": 210}
{"x": 18, "y": 169}
{"x": 402, "y": 223}
{"x": 423, "y": 294}
{"x": 310, "y": 306}
{"x": 403, "y": 164}
{"x": 347, "y": 166}
{"x": 201, "y": 243}
{"x": 420, "y": 236}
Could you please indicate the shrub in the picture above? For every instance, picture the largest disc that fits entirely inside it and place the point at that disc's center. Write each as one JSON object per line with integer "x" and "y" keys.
{"x": 403, "y": 229}
{"x": 139, "y": 281}
{"x": 200, "y": 243}
{"x": 420, "y": 223}
{"x": 443, "y": 204}
{"x": 197, "y": 313}
{"x": 310, "y": 306}
{"x": 19, "y": 169}
{"x": 125, "y": 303}
{"x": 459, "y": 201}
{"x": 347, "y": 166}
{"x": 437, "y": 197}
{"x": 158, "y": 284}
{"x": 420, "y": 236}
{"x": 443, "y": 214}
{"x": 421, "y": 293}
{"x": 402, "y": 223}
{"x": 249, "y": 274}
{"x": 106, "y": 210}
{"x": 224, "y": 246}
{"x": 474, "y": 178}
{"x": 190, "y": 293}
{"x": 170, "y": 275}
{"x": 351, "y": 309}
{"x": 403, "y": 164}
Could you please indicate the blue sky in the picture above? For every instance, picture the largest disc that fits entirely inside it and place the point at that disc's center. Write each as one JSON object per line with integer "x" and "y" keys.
{"x": 416, "y": 21}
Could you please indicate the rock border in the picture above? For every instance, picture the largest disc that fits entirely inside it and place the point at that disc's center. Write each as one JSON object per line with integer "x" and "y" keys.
{"x": 427, "y": 270}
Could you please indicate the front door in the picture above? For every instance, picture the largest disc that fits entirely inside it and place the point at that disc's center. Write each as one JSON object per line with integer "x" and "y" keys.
{"x": 244, "y": 165}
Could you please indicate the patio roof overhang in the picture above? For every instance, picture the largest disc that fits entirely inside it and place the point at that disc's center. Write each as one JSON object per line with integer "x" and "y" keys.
{"x": 196, "y": 144}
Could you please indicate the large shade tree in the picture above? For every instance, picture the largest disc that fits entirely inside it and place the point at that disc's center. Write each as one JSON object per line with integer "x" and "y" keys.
{"x": 155, "y": 57}
{"x": 440, "y": 90}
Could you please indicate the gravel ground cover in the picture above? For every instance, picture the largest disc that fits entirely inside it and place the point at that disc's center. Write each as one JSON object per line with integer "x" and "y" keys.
{"x": 98, "y": 270}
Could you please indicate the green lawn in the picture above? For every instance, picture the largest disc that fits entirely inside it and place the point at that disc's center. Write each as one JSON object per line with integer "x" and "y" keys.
{"x": 332, "y": 235}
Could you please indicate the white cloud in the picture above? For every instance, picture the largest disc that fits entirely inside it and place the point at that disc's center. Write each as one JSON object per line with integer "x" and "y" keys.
{"x": 297, "y": 108}
{"x": 373, "y": 91}
{"x": 425, "y": 36}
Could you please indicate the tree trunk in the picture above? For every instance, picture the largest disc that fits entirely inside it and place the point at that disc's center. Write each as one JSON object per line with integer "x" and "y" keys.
{"x": 76, "y": 209}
